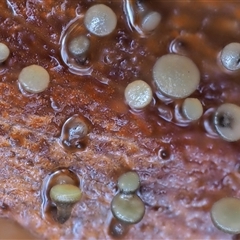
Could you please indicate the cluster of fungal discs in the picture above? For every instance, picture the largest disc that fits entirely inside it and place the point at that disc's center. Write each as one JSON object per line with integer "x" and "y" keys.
{"x": 32, "y": 79}
{"x": 61, "y": 190}
{"x": 99, "y": 20}
{"x": 126, "y": 206}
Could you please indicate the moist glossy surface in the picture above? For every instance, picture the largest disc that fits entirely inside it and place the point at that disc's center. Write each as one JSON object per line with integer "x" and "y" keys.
{"x": 184, "y": 167}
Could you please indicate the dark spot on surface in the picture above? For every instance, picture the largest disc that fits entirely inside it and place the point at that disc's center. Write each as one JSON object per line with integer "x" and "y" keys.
{"x": 225, "y": 120}
{"x": 4, "y": 206}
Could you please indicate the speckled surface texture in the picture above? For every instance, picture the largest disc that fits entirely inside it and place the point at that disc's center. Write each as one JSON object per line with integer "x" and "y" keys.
{"x": 184, "y": 167}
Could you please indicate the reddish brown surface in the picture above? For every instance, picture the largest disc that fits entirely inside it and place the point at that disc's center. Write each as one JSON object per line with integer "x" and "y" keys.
{"x": 178, "y": 188}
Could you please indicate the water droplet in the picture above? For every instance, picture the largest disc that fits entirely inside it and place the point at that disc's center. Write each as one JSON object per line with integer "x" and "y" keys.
{"x": 76, "y": 65}
{"x": 74, "y": 133}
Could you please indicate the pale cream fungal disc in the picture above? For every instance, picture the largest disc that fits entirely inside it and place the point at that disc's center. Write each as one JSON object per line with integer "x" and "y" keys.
{"x": 138, "y": 94}
{"x": 129, "y": 182}
{"x": 227, "y": 121}
{"x": 100, "y": 20}
{"x": 128, "y": 208}
{"x": 192, "y": 108}
{"x": 230, "y": 56}
{"x": 79, "y": 46}
{"x": 176, "y": 76}
{"x": 151, "y": 21}
{"x": 34, "y": 79}
{"x": 225, "y": 215}
{"x": 4, "y": 52}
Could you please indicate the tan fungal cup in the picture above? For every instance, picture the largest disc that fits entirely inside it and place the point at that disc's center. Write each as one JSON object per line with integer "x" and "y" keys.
{"x": 225, "y": 215}
{"x": 79, "y": 47}
{"x": 64, "y": 196}
{"x": 192, "y": 109}
{"x": 227, "y": 121}
{"x": 138, "y": 94}
{"x": 176, "y": 76}
{"x": 129, "y": 182}
{"x": 151, "y": 21}
{"x": 100, "y": 20}
{"x": 128, "y": 208}
{"x": 34, "y": 79}
{"x": 4, "y": 52}
{"x": 230, "y": 56}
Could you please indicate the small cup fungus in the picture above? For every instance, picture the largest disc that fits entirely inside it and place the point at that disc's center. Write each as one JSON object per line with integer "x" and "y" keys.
{"x": 64, "y": 196}
{"x": 176, "y": 76}
{"x": 230, "y": 56}
{"x": 4, "y": 52}
{"x": 225, "y": 215}
{"x": 227, "y": 121}
{"x": 192, "y": 109}
{"x": 34, "y": 79}
{"x": 138, "y": 94}
{"x": 100, "y": 20}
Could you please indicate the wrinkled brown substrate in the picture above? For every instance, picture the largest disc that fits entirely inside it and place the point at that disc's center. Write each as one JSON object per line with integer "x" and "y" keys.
{"x": 183, "y": 170}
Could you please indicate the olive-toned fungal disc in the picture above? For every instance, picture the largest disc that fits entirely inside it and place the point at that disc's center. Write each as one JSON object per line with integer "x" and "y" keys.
{"x": 4, "y": 52}
{"x": 64, "y": 196}
{"x": 176, "y": 76}
{"x": 128, "y": 208}
{"x": 79, "y": 46}
{"x": 227, "y": 121}
{"x": 34, "y": 79}
{"x": 138, "y": 94}
{"x": 100, "y": 20}
{"x": 230, "y": 56}
{"x": 129, "y": 182}
{"x": 151, "y": 21}
{"x": 65, "y": 193}
{"x": 192, "y": 108}
{"x": 225, "y": 215}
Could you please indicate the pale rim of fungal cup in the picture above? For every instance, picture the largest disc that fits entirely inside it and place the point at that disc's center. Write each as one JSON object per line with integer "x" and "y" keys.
{"x": 225, "y": 214}
{"x": 34, "y": 78}
{"x": 230, "y": 56}
{"x": 138, "y": 94}
{"x": 100, "y": 20}
{"x": 176, "y": 76}
{"x": 4, "y": 52}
